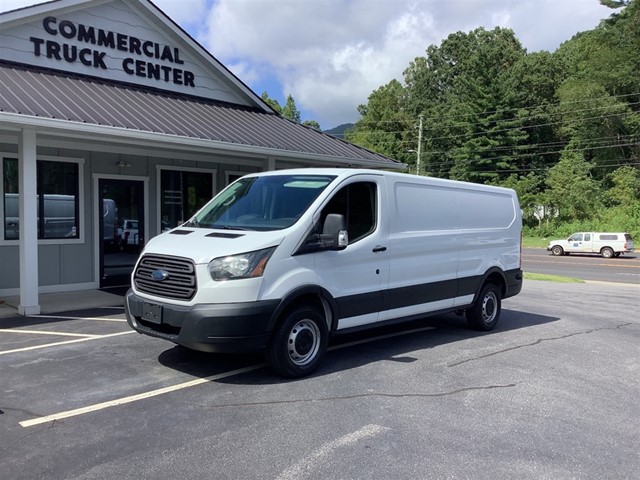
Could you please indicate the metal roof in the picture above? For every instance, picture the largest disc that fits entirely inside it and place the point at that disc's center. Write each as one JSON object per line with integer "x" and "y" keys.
{"x": 47, "y": 94}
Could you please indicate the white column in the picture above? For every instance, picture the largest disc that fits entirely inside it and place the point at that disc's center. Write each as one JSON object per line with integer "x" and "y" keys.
{"x": 271, "y": 164}
{"x": 29, "y": 302}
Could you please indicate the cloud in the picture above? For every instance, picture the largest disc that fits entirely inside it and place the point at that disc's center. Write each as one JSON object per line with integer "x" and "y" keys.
{"x": 188, "y": 18}
{"x": 8, "y": 5}
{"x": 329, "y": 54}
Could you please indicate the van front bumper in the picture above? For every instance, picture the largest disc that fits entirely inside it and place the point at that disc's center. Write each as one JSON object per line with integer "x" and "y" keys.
{"x": 224, "y": 328}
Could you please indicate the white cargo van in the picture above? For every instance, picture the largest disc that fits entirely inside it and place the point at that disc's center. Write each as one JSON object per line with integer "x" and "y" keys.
{"x": 604, "y": 243}
{"x": 281, "y": 260}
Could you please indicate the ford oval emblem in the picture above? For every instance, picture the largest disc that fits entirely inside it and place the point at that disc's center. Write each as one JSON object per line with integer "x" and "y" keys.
{"x": 160, "y": 275}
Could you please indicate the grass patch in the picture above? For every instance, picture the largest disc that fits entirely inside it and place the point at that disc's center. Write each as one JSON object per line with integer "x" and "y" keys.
{"x": 551, "y": 278}
{"x": 536, "y": 242}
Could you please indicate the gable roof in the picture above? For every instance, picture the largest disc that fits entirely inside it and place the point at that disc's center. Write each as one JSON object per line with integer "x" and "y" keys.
{"x": 44, "y": 98}
{"x": 48, "y": 97}
{"x": 118, "y": 14}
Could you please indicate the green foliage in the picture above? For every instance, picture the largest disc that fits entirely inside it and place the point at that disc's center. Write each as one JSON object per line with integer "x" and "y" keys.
{"x": 625, "y": 189}
{"x": 386, "y": 127}
{"x": 290, "y": 110}
{"x": 614, "y": 219}
{"x": 530, "y": 189}
{"x": 615, "y": 3}
{"x": 571, "y": 189}
{"x": 460, "y": 87}
{"x": 272, "y": 102}
{"x": 312, "y": 124}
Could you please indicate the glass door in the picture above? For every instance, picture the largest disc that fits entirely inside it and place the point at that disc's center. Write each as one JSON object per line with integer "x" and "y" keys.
{"x": 121, "y": 227}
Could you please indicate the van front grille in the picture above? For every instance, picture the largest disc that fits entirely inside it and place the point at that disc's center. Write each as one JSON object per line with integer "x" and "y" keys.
{"x": 175, "y": 277}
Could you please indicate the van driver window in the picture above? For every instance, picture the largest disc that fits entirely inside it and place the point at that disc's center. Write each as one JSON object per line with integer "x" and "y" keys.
{"x": 357, "y": 202}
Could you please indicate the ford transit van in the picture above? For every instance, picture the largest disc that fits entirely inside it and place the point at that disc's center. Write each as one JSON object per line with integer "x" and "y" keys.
{"x": 280, "y": 261}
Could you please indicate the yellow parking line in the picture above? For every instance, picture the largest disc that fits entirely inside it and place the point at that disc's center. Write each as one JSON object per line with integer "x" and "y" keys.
{"x": 43, "y": 332}
{"x": 37, "y": 347}
{"x": 135, "y": 398}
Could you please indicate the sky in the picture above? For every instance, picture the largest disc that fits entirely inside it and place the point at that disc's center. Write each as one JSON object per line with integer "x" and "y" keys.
{"x": 330, "y": 55}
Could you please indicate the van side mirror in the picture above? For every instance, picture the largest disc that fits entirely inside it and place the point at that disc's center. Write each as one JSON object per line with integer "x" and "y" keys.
{"x": 332, "y": 237}
{"x": 334, "y": 232}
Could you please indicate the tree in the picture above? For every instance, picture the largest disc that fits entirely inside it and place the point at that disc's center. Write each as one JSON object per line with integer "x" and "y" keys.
{"x": 272, "y": 102}
{"x": 385, "y": 126}
{"x": 290, "y": 110}
{"x": 571, "y": 189}
{"x": 597, "y": 124}
{"x": 615, "y": 3}
{"x": 470, "y": 131}
{"x": 530, "y": 87}
{"x": 625, "y": 188}
{"x": 312, "y": 124}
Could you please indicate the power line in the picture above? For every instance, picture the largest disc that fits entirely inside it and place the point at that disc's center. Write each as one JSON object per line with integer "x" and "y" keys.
{"x": 529, "y": 107}
{"x": 542, "y": 169}
{"x": 504, "y": 130}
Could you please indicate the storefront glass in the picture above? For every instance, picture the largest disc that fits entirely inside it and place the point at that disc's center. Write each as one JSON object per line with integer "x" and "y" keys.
{"x": 58, "y": 204}
{"x": 182, "y": 193}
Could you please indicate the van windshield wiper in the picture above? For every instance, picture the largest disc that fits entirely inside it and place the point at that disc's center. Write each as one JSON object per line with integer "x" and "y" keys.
{"x": 230, "y": 227}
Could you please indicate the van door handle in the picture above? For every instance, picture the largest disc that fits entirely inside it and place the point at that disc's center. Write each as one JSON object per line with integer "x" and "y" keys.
{"x": 379, "y": 248}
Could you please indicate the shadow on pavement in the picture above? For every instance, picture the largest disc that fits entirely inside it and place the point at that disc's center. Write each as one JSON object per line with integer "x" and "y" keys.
{"x": 408, "y": 337}
{"x": 47, "y": 319}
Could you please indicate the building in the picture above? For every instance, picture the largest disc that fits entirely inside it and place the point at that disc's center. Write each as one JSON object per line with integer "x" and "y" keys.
{"x": 116, "y": 125}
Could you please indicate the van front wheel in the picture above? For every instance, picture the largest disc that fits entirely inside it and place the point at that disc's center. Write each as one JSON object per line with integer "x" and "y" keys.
{"x": 484, "y": 314}
{"x": 298, "y": 344}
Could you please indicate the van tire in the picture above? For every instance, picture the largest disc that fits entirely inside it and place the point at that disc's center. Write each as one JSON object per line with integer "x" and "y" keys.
{"x": 299, "y": 342}
{"x": 557, "y": 250}
{"x": 607, "y": 252}
{"x": 484, "y": 314}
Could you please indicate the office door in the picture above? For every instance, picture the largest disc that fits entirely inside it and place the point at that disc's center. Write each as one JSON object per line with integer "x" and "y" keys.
{"x": 121, "y": 226}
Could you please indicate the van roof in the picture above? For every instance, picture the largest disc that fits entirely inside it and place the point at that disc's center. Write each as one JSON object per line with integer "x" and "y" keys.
{"x": 344, "y": 173}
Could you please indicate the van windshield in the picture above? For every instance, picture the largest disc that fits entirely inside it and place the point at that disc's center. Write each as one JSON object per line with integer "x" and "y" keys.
{"x": 272, "y": 202}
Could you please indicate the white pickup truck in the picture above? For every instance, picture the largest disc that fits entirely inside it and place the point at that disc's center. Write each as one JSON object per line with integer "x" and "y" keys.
{"x": 604, "y": 243}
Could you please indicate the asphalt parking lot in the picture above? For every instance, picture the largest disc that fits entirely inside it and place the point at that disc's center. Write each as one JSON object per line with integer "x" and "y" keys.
{"x": 551, "y": 393}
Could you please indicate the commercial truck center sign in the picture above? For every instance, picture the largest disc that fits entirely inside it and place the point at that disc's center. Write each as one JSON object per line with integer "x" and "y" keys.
{"x": 144, "y": 60}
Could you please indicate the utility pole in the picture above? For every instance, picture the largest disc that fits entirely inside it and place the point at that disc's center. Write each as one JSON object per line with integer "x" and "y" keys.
{"x": 419, "y": 146}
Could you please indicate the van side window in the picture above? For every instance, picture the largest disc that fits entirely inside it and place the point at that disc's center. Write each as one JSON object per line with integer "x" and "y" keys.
{"x": 357, "y": 202}
{"x": 587, "y": 237}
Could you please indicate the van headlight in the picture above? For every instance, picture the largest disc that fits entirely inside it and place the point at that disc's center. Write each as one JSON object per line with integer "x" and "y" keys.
{"x": 244, "y": 265}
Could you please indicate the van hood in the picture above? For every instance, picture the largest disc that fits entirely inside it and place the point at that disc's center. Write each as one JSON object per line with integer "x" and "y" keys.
{"x": 204, "y": 244}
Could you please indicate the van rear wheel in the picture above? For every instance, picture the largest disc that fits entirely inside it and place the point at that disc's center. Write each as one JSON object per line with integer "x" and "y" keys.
{"x": 484, "y": 314}
{"x": 298, "y": 344}
{"x": 607, "y": 252}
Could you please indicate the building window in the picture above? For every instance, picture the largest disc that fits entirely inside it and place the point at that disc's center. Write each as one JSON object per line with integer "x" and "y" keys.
{"x": 182, "y": 193}
{"x": 58, "y": 199}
